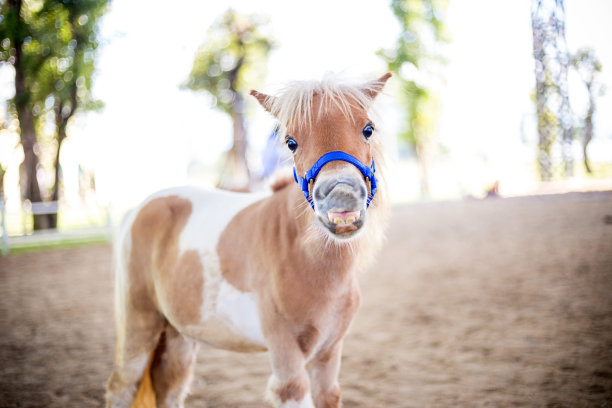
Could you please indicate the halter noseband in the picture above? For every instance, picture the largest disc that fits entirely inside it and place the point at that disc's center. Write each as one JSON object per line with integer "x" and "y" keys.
{"x": 307, "y": 182}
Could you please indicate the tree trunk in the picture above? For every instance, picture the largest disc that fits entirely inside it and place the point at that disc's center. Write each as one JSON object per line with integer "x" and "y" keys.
{"x": 588, "y": 128}
{"x": 235, "y": 175}
{"x": 544, "y": 137}
{"x": 2, "y": 173}
{"x": 28, "y": 181}
{"x": 62, "y": 118}
{"x": 239, "y": 177}
{"x": 61, "y": 135}
{"x": 552, "y": 100}
{"x": 240, "y": 139}
{"x": 422, "y": 159}
{"x": 61, "y": 122}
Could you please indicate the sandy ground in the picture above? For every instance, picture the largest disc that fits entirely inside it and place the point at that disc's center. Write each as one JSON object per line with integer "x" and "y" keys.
{"x": 494, "y": 303}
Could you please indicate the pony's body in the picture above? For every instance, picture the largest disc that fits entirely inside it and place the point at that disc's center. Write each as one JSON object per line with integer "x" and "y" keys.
{"x": 218, "y": 313}
{"x": 242, "y": 272}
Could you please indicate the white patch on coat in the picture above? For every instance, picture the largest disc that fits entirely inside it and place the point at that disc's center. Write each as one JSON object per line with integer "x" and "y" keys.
{"x": 306, "y": 402}
{"x": 240, "y": 313}
{"x": 211, "y": 211}
{"x": 229, "y": 318}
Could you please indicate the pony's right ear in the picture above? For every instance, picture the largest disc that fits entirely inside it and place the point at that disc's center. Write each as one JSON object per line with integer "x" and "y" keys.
{"x": 373, "y": 88}
{"x": 264, "y": 100}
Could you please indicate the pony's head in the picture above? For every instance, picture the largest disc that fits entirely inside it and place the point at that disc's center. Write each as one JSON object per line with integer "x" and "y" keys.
{"x": 330, "y": 134}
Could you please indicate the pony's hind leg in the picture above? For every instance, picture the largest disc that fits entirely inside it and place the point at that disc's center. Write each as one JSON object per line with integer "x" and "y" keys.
{"x": 172, "y": 368}
{"x": 138, "y": 333}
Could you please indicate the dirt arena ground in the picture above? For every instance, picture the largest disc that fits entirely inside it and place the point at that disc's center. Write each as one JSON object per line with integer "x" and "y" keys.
{"x": 493, "y": 303}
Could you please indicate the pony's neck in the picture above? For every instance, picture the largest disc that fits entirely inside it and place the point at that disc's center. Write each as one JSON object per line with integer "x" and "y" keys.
{"x": 320, "y": 249}
{"x": 280, "y": 233}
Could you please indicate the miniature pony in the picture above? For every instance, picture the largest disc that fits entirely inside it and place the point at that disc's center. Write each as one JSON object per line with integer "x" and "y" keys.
{"x": 256, "y": 272}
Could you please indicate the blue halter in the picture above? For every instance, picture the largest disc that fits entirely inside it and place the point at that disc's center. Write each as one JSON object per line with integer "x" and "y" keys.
{"x": 306, "y": 183}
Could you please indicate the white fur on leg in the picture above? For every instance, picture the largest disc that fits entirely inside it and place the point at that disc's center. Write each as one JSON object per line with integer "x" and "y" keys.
{"x": 273, "y": 398}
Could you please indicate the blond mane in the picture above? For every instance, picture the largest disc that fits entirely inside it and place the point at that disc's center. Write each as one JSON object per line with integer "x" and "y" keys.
{"x": 293, "y": 106}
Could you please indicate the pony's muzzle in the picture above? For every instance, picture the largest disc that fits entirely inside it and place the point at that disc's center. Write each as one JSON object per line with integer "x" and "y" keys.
{"x": 340, "y": 201}
{"x": 341, "y": 195}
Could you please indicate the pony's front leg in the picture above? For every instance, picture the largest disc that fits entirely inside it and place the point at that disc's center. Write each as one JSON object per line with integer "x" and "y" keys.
{"x": 289, "y": 385}
{"x": 324, "y": 369}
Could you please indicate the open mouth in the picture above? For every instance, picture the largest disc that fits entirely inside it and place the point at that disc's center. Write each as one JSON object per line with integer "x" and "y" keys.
{"x": 343, "y": 218}
{"x": 344, "y": 224}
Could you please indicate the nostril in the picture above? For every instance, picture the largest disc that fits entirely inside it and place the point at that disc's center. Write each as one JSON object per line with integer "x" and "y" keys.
{"x": 321, "y": 191}
{"x": 323, "y": 188}
{"x": 362, "y": 192}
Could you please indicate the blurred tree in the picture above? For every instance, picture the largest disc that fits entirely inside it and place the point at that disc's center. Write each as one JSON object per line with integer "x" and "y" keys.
{"x": 69, "y": 80}
{"x": 16, "y": 29}
{"x": 588, "y": 67}
{"x": 234, "y": 56}
{"x": 2, "y": 173}
{"x": 51, "y": 45}
{"x": 552, "y": 100}
{"x": 422, "y": 27}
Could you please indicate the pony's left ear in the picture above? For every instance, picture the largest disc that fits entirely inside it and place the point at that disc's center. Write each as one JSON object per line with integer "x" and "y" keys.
{"x": 373, "y": 88}
{"x": 264, "y": 100}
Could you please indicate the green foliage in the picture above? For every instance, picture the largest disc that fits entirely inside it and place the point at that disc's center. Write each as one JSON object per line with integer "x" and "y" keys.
{"x": 58, "y": 41}
{"x": 587, "y": 65}
{"x": 589, "y": 68}
{"x": 51, "y": 44}
{"x": 234, "y": 56}
{"x": 66, "y": 77}
{"x": 422, "y": 27}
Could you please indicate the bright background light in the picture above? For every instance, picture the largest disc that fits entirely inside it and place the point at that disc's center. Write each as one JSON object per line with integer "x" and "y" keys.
{"x": 150, "y": 132}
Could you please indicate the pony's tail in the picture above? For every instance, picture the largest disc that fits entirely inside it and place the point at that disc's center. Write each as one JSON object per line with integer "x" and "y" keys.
{"x": 145, "y": 397}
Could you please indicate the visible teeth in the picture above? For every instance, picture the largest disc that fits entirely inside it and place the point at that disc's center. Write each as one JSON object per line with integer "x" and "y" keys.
{"x": 347, "y": 217}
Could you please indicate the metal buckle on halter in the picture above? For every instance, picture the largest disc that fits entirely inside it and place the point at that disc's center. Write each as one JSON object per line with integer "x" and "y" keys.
{"x": 306, "y": 183}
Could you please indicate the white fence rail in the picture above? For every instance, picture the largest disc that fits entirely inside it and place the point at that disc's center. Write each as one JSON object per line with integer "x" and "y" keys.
{"x": 97, "y": 229}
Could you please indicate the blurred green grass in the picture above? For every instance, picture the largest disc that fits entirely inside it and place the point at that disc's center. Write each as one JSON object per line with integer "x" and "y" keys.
{"x": 60, "y": 243}
{"x": 77, "y": 226}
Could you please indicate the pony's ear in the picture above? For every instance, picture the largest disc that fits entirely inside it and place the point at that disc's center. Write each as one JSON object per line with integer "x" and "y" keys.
{"x": 373, "y": 88}
{"x": 264, "y": 100}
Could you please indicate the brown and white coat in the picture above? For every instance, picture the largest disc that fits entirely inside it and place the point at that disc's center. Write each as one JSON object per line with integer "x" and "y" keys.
{"x": 250, "y": 272}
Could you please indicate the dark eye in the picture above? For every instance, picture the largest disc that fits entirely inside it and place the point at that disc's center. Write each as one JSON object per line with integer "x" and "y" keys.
{"x": 292, "y": 144}
{"x": 368, "y": 130}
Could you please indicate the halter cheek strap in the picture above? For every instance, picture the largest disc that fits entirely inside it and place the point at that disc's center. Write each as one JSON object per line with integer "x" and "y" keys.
{"x": 307, "y": 182}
